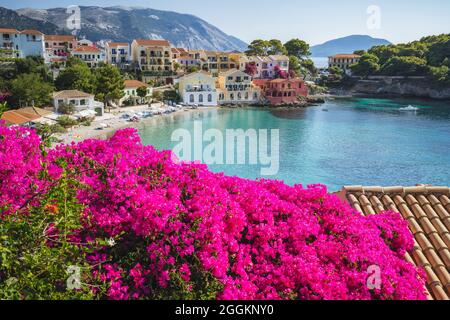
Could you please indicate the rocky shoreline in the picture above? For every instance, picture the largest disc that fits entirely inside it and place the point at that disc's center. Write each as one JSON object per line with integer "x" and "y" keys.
{"x": 310, "y": 101}
{"x": 418, "y": 87}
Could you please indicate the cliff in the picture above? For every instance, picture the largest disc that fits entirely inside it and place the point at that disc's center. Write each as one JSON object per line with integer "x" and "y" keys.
{"x": 406, "y": 86}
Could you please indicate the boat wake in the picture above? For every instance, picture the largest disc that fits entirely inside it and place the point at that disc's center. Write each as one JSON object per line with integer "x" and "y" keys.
{"x": 409, "y": 108}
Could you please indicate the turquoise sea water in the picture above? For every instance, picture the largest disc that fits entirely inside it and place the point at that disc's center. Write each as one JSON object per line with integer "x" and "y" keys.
{"x": 342, "y": 142}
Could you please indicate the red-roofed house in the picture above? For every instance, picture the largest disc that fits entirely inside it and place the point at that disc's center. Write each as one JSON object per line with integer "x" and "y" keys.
{"x": 59, "y": 47}
{"x": 282, "y": 91}
{"x": 118, "y": 53}
{"x": 21, "y": 44}
{"x": 130, "y": 91}
{"x": 93, "y": 56}
{"x": 154, "y": 58}
{"x": 343, "y": 61}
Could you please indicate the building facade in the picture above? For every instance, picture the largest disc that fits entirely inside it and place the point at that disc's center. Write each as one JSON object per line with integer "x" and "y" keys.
{"x": 21, "y": 44}
{"x": 198, "y": 88}
{"x": 265, "y": 67}
{"x": 217, "y": 62}
{"x": 59, "y": 47}
{"x": 343, "y": 61}
{"x": 80, "y": 100}
{"x": 91, "y": 55}
{"x": 131, "y": 91}
{"x": 236, "y": 87}
{"x": 153, "y": 58}
{"x": 118, "y": 53}
{"x": 282, "y": 91}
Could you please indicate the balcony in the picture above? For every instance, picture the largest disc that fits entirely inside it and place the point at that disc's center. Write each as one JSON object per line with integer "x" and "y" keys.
{"x": 200, "y": 89}
{"x": 158, "y": 73}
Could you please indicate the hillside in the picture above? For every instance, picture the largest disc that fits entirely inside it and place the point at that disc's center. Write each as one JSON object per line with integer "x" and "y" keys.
{"x": 127, "y": 23}
{"x": 10, "y": 18}
{"x": 346, "y": 45}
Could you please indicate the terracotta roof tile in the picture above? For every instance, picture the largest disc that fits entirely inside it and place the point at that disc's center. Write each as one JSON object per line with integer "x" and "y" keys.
{"x": 8, "y": 30}
{"x": 59, "y": 37}
{"x": 117, "y": 44}
{"x": 147, "y": 42}
{"x": 427, "y": 211}
{"x": 134, "y": 84}
{"x": 87, "y": 49}
{"x": 31, "y": 31}
{"x": 345, "y": 56}
{"x": 71, "y": 94}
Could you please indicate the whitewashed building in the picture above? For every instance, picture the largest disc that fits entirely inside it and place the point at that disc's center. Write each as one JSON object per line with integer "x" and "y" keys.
{"x": 21, "y": 44}
{"x": 198, "y": 88}
{"x": 93, "y": 56}
{"x": 118, "y": 53}
{"x": 80, "y": 100}
{"x": 131, "y": 91}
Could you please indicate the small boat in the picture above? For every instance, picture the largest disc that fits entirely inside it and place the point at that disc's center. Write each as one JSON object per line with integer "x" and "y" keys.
{"x": 409, "y": 108}
{"x": 325, "y": 110}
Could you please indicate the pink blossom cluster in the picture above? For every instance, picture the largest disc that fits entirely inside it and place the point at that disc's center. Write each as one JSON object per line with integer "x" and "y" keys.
{"x": 175, "y": 226}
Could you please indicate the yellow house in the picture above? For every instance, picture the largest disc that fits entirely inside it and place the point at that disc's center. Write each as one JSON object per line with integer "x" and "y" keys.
{"x": 198, "y": 88}
{"x": 236, "y": 87}
{"x": 218, "y": 62}
{"x": 154, "y": 58}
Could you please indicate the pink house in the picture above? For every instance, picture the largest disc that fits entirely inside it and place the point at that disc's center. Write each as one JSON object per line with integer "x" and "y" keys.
{"x": 282, "y": 91}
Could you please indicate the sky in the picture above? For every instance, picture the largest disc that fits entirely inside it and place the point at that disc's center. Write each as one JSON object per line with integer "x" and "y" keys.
{"x": 313, "y": 21}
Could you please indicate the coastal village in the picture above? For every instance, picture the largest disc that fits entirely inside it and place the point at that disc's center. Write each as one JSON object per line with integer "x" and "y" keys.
{"x": 156, "y": 79}
{"x": 199, "y": 78}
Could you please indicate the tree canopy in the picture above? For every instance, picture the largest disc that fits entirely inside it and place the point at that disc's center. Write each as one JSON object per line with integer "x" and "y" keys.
{"x": 297, "y": 48}
{"x": 30, "y": 88}
{"x": 76, "y": 77}
{"x": 429, "y": 57}
{"x": 109, "y": 83}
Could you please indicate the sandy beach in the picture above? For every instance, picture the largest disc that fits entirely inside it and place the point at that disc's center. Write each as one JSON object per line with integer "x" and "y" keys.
{"x": 103, "y": 127}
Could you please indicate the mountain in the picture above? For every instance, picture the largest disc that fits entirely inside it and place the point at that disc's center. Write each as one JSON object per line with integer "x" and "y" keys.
{"x": 11, "y": 19}
{"x": 346, "y": 45}
{"x": 127, "y": 23}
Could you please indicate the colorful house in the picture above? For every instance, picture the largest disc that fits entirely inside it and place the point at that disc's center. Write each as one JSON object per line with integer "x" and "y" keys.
{"x": 154, "y": 58}
{"x": 59, "y": 47}
{"x": 236, "y": 87}
{"x": 265, "y": 67}
{"x": 282, "y": 91}
{"x": 343, "y": 61}
{"x": 198, "y": 88}
{"x": 130, "y": 91}
{"x": 218, "y": 62}
{"x": 21, "y": 44}
{"x": 118, "y": 53}
{"x": 93, "y": 56}
{"x": 80, "y": 100}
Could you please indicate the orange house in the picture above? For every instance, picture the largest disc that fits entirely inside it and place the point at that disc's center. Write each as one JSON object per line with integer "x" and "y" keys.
{"x": 282, "y": 91}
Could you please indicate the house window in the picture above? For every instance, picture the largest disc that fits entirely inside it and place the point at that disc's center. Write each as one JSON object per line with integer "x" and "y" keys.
{"x": 200, "y": 98}
{"x": 246, "y": 96}
{"x": 209, "y": 97}
{"x": 72, "y": 102}
{"x": 82, "y": 102}
{"x": 191, "y": 98}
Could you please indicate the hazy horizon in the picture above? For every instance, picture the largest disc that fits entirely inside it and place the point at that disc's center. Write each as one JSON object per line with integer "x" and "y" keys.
{"x": 313, "y": 22}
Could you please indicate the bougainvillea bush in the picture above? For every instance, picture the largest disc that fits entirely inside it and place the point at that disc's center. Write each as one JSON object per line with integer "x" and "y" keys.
{"x": 142, "y": 226}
